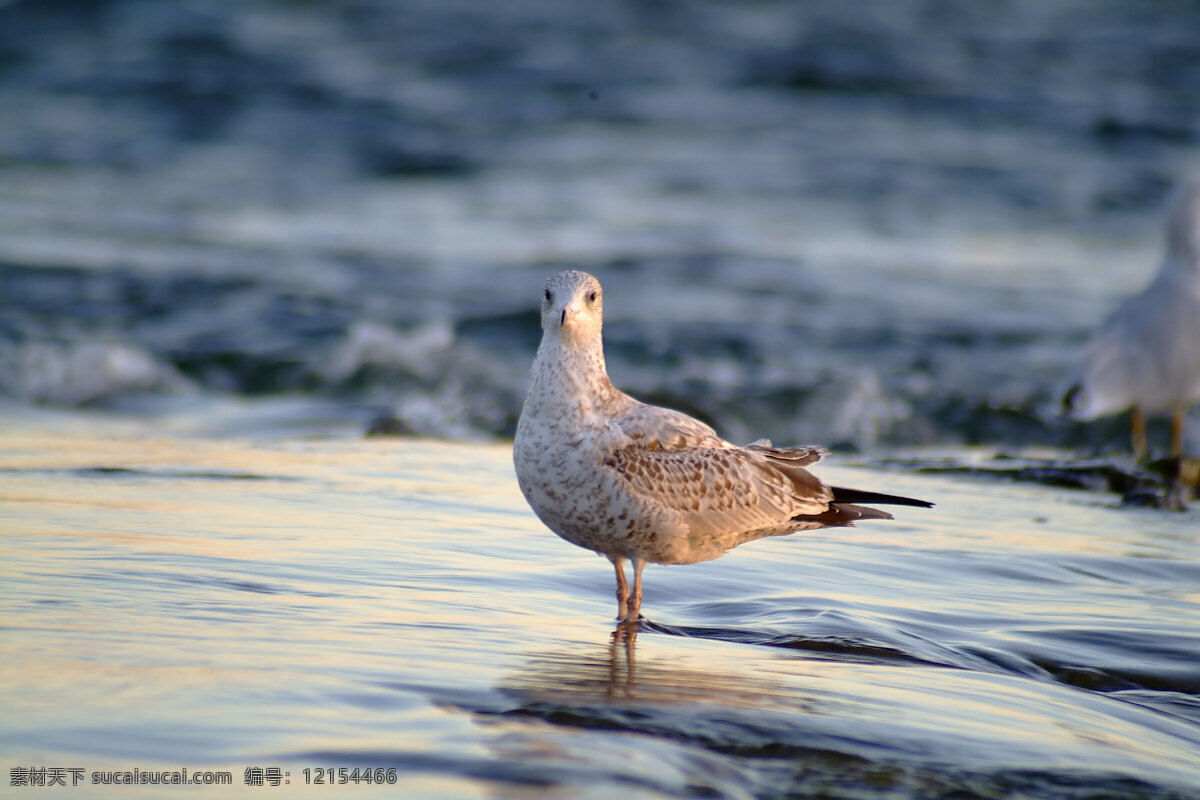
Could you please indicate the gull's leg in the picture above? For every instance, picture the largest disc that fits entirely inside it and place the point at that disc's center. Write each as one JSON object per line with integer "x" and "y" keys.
{"x": 635, "y": 602}
{"x": 1177, "y": 432}
{"x": 622, "y": 587}
{"x": 1139, "y": 432}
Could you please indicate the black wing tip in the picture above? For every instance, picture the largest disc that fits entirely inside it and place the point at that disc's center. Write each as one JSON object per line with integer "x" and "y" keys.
{"x": 843, "y": 495}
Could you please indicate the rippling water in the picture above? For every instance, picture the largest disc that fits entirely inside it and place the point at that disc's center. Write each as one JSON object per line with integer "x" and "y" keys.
{"x": 219, "y": 603}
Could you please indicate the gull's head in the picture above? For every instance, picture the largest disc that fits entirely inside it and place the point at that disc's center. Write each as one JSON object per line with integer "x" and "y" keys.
{"x": 572, "y": 306}
{"x": 1183, "y": 225}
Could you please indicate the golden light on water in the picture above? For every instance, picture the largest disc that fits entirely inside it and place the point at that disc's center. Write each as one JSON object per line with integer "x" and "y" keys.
{"x": 168, "y": 595}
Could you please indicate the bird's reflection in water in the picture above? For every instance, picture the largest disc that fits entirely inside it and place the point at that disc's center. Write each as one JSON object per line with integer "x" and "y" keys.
{"x": 593, "y": 721}
{"x": 621, "y": 671}
{"x": 662, "y": 713}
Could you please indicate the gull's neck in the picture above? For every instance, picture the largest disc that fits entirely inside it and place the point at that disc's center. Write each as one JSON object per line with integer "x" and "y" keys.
{"x": 570, "y": 381}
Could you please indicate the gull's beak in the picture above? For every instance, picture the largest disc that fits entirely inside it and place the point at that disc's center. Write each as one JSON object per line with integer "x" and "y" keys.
{"x": 565, "y": 312}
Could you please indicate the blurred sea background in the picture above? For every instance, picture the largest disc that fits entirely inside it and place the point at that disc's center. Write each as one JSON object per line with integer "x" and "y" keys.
{"x": 895, "y": 223}
{"x": 236, "y": 236}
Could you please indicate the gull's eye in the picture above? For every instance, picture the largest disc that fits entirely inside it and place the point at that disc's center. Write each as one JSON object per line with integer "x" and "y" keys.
{"x": 547, "y": 294}
{"x": 592, "y": 297}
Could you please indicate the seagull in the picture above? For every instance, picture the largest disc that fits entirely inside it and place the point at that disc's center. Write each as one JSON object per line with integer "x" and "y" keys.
{"x": 637, "y": 482}
{"x": 1146, "y": 356}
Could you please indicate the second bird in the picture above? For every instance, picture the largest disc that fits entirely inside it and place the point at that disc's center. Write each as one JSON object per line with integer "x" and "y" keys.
{"x": 1146, "y": 357}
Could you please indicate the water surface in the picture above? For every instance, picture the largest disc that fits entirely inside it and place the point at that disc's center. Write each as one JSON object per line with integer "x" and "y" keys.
{"x": 295, "y": 602}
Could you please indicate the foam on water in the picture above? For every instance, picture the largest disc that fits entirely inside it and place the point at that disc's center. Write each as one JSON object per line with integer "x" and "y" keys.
{"x": 793, "y": 208}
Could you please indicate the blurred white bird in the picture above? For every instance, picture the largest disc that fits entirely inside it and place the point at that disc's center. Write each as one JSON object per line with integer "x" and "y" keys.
{"x": 1146, "y": 356}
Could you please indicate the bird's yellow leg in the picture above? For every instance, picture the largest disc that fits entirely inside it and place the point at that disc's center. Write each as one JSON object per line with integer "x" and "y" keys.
{"x": 1139, "y": 432}
{"x": 635, "y": 602}
{"x": 622, "y": 587}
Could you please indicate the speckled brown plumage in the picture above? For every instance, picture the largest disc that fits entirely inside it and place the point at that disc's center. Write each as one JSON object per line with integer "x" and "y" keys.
{"x": 632, "y": 481}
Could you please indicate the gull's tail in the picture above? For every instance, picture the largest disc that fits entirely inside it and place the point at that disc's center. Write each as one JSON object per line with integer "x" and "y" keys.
{"x": 843, "y": 495}
{"x": 844, "y": 508}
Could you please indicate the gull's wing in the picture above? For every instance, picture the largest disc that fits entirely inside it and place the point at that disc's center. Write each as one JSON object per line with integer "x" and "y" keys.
{"x": 788, "y": 456}
{"x": 654, "y": 428}
{"x": 724, "y": 492}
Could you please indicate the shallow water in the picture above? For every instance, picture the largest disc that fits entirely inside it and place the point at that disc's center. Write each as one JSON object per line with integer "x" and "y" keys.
{"x": 219, "y": 603}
